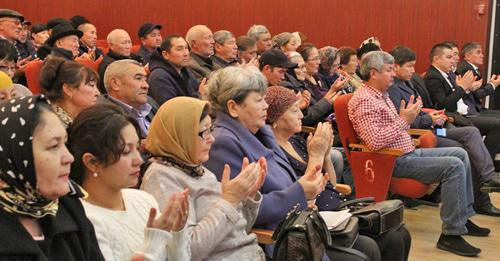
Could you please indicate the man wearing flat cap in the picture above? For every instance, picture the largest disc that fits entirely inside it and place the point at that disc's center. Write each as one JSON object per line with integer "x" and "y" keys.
{"x": 10, "y": 25}
{"x": 274, "y": 64}
{"x": 64, "y": 41}
{"x": 150, "y": 36}
{"x": 39, "y": 35}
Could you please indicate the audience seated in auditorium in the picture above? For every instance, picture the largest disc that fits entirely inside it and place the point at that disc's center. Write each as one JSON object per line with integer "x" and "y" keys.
{"x": 459, "y": 97}
{"x": 10, "y": 25}
{"x": 262, "y": 37}
{"x": 201, "y": 43}
{"x": 41, "y": 216}
{"x": 329, "y": 65}
{"x": 237, "y": 96}
{"x": 226, "y": 50}
{"x": 220, "y": 214}
{"x": 469, "y": 138}
{"x": 247, "y": 49}
{"x": 472, "y": 55}
{"x": 24, "y": 45}
{"x": 150, "y": 37}
{"x": 349, "y": 64}
{"x": 39, "y": 35}
{"x": 313, "y": 82}
{"x": 170, "y": 76}
{"x": 64, "y": 42}
{"x": 273, "y": 65}
{"x": 379, "y": 125}
{"x": 284, "y": 117}
{"x": 126, "y": 86}
{"x": 106, "y": 165}
{"x": 8, "y": 60}
{"x": 88, "y": 48}
{"x": 120, "y": 47}
{"x": 286, "y": 42}
{"x": 71, "y": 87}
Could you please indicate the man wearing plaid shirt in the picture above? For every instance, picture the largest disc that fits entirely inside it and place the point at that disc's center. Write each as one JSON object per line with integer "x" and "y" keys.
{"x": 379, "y": 125}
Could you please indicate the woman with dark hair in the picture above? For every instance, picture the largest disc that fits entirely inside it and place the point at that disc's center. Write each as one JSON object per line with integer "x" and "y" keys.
{"x": 8, "y": 60}
{"x": 70, "y": 86}
{"x": 105, "y": 144}
{"x": 220, "y": 214}
{"x": 348, "y": 65}
{"x": 41, "y": 216}
{"x": 318, "y": 88}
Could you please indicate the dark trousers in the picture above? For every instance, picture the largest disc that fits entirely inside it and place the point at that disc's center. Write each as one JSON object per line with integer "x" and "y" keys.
{"x": 482, "y": 168}
{"x": 489, "y": 126}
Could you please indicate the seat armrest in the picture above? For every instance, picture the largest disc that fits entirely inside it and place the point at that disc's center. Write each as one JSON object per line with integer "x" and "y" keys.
{"x": 387, "y": 151}
{"x": 264, "y": 236}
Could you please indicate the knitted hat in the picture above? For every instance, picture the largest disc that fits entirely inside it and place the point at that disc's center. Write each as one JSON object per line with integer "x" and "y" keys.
{"x": 5, "y": 81}
{"x": 279, "y": 99}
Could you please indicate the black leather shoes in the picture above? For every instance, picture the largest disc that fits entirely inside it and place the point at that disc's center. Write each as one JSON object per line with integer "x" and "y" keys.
{"x": 492, "y": 185}
{"x": 488, "y": 210}
{"x": 457, "y": 245}
{"x": 475, "y": 230}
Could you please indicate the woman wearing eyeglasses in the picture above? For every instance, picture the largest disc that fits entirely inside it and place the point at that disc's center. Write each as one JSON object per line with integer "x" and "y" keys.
{"x": 220, "y": 213}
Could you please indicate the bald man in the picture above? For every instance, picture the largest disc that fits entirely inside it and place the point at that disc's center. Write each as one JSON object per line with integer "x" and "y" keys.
{"x": 88, "y": 41}
{"x": 201, "y": 42}
{"x": 120, "y": 46}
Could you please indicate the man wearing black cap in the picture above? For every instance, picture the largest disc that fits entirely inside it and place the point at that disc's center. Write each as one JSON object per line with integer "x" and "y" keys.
{"x": 10, "y": 25}
{"x": 64, "y": 41}
{"x": 273, "y": 64}
{"x": 39, "y": 35}
{"x": 150, "y": 36}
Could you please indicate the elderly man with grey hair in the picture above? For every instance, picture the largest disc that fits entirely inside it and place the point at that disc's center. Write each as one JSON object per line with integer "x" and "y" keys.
{"x": 120, "y": 46}
{"x": 126, "y": 85}
{"x": 473, "y": 58}
{"x": 226, "y": 50}
{"x": 201, "y": 42}
{"x": 379, "y": 125}
{"x": 262, "y": 36}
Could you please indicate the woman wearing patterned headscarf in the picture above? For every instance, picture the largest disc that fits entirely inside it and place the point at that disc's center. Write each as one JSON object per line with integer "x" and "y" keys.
{"x": 41, "y": 217}
{"x": 220, "y": 214}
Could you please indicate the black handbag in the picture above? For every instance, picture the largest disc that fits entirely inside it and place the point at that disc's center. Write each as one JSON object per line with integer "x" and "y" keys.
{"x": 345, "y": 235}
{"x": 302, "y": 235}
{"x": 377, "y": 218}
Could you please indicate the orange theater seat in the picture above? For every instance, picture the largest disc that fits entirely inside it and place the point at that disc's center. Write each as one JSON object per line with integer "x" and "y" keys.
{"x": 32, "y": 72}
{"x": 372, "y": 170}
{"x": 89, "y": 63}
{"x": 135, "y": 48}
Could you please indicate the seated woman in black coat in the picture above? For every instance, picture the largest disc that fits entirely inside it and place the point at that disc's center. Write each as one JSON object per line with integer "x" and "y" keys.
{"x": 41, "y": 217}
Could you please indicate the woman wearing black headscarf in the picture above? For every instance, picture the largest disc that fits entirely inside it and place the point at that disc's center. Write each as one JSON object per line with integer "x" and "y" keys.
{"x": 41, "y": 217}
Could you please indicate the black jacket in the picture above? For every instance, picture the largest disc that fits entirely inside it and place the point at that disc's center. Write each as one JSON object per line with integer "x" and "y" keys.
{"x": 84, "y": 49}
{"x": 166, "y": 83}
{"x": 398, "y": 91}
{"x": 61, "y": 53}
{"x": 485, "y": 90}
{"x": 441, "y": 93}
{"x": 419, "y": 85}
{"x": 107, "y": 60}
{"x": 68, "y": 236}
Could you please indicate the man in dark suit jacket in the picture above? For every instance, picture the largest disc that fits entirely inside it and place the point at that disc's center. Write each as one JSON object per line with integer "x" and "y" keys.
{"x": 472, "y": 55}
{"x": 456, "y": 96}
{"x": 468, "y": 138}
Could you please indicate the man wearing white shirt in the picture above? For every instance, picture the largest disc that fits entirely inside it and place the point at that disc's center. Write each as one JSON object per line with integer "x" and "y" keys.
{"x": 458, "y": 97}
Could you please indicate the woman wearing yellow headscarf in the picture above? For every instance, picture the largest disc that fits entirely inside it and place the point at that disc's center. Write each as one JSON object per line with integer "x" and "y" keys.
{"x": 220, "y": 213}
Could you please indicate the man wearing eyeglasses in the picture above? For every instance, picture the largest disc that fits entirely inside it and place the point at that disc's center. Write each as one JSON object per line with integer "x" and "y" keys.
{"x": 10, "y": 24}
